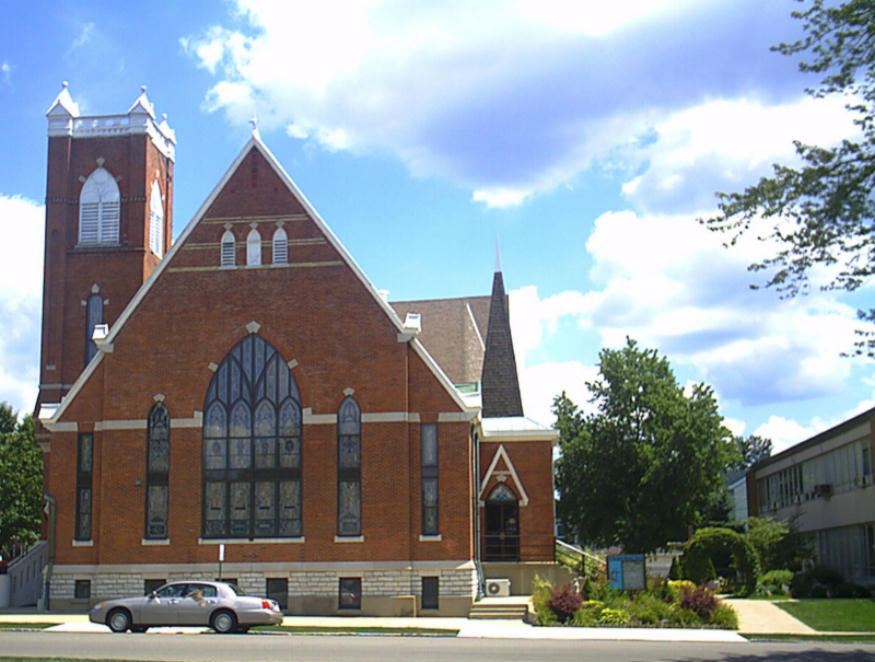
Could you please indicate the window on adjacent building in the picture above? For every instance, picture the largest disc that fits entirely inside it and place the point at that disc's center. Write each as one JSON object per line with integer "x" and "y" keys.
{"x": 429, "y": 466}
{"x": 156, "y": 220}
{"x": 349, "y": 465}
{"x": 157, "y": 470}
{"x": 253, "y": 248}
{"x": 82, "y": 589}
{"x": 228, "y": 258}
{"x": 278, "y": 590}
{"x": 84, "y": 462}
{"x": 280, "y": 247}
{"x": 252, "y": 446}
{"x": 350, "y": 593}
{"x": 430, "y": 589}
{"x": 93, "y": 317}
{"x": 99, "y": 209}
{"x": 150, "y": 585}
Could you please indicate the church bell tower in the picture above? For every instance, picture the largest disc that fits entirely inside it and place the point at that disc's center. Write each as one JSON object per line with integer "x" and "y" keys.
{"x": 109, "y": 222}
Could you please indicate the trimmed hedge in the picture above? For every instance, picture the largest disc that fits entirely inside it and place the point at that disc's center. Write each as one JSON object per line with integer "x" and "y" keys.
{"x": 713, "y": 541}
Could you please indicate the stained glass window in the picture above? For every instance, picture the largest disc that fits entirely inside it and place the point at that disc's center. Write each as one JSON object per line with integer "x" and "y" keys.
{"x": 349, "y": 498}
{"x": 429, "y": 466}
{"x": 252, "y": 446}
{"x": 84, "y": 463}
{"x": 157, "y": 470}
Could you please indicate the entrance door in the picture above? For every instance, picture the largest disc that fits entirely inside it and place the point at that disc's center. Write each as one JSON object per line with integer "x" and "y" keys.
{"x": 502, "y": 525}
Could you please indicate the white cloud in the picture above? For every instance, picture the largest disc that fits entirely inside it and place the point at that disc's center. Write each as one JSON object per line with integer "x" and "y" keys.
{"x": 725, "y": 144}
{"x": 84, "y": 37}
{"x": 668, "y": 283}
{"x": 786, "y": 432}
{"x": 508, "y": 99}
{"x": 6, "y": 71}
{"x": 21, "y": 264}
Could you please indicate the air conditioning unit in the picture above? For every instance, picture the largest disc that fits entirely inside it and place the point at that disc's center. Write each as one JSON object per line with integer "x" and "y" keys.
{"x": 497, "y": 588}
{"x": 823, "y": 490}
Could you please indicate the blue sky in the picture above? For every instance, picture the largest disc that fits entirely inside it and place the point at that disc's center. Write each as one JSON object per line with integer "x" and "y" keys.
{"x": 586, "y": 138}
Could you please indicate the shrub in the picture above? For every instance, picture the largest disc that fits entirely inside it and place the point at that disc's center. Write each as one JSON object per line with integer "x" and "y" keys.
{"x": 801, "y": 585}
{"x": 648, "y": 609}
{"x": 710, "y": 542}
{"x": 826, "y": 575}
{"x": 588, "y": 614}
{"x": 678, "y": 588}
{"x": 686, "y": 617}
{"x": 539, "y": 601}
{"x": 596, "y": 588}
{"x": 614, "y": 617}
{"x": 677, "y": 568}
{"x": 700, "y": 600}
{"x": 819, "y": 591}
{"x": 774, "y": 581}
{"x": 564, "y": 601}
{"x": 724, "y": 617}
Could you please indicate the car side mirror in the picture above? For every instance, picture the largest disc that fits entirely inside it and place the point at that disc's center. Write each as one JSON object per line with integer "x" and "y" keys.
{"x": 153, "y": 595}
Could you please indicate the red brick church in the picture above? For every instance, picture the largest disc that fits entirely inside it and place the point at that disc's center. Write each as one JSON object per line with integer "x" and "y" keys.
{"x": 246, "y": 386}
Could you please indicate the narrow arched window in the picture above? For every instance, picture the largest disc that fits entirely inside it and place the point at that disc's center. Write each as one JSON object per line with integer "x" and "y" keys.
{"x": 228, "y": 258}
{"x": 157, "y": 471}
{"x": 99, "y": 209}
{"x": 252, "y": 446}
{"x": 349, "y": 469}
{"x": 93, "y": 317}
{"x": 253, "y": 248}
{"x": 156, "y": 220}
{"x": 280, "y": 247}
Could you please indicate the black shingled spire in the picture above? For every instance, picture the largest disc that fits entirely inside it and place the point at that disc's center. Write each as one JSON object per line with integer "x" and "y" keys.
{"x": 500, "y": 386}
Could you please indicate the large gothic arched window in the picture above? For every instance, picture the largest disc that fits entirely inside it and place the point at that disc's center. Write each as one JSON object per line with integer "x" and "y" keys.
{"x": 99, "y": 209}
{"x": 252, "y": 446}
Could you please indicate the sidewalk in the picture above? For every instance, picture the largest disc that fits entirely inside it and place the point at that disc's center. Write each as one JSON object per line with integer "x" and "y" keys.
{"x": 754, "y": 616}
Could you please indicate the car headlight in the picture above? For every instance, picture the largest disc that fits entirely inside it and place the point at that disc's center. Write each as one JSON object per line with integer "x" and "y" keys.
{"x": 97, "y": 607}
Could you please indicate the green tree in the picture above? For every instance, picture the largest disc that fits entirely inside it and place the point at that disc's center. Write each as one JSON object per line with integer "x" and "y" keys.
{"x": 752, "y": 449}
{"x": 21, "y": 481}
{"x": 821, "y": 213}
{"x": 642, "y": 469}
{"x": 780, "y": 544}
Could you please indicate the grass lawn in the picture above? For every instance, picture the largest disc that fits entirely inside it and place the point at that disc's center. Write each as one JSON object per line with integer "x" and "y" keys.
{"x": 838, "y": 615}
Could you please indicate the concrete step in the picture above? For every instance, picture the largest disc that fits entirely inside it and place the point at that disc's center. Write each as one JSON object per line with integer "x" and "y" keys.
{"x": 504, "y": 609}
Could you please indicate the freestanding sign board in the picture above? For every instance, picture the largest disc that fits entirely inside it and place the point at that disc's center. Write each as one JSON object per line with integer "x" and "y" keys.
{"x": 627, "y": 572}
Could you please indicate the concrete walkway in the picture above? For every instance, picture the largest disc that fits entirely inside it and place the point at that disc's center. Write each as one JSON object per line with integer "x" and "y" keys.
{"x": 765, "y": 617}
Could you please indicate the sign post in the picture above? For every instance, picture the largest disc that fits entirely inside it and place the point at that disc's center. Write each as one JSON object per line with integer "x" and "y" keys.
{"x": 221, "y": 557}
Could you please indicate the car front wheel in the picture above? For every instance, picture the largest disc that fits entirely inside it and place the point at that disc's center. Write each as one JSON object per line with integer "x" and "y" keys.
{"x": 223, "y": 622}
{"x": 119, "y": 620}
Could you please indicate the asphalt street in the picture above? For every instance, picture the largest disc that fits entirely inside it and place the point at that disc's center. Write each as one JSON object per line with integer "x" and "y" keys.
{"x": 306, "y": 648}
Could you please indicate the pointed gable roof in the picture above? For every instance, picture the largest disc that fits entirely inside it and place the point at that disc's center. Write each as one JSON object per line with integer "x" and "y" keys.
{"x": 255, "y": 143}
{"x": 500, "y": 386}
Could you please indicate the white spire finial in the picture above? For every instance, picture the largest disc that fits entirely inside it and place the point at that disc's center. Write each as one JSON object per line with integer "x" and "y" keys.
{"x": 142, "y": 88}
{"x": 64, "y": 84}
{"x": 254, "y": 123}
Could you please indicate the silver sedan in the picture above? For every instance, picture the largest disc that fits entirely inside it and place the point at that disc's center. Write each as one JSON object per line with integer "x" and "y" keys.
{"x": 188, "y": 603}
